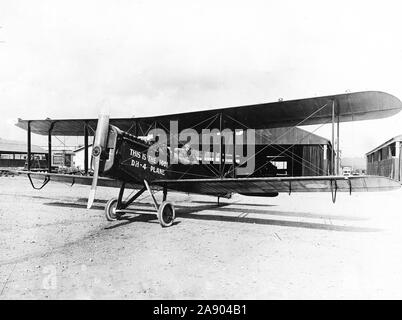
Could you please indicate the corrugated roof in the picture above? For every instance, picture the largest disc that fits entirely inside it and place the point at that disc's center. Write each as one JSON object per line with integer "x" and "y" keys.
{"x": 292, "y": 135}
{"x": 386, "y": 143}
{"x": 18, "y": 146}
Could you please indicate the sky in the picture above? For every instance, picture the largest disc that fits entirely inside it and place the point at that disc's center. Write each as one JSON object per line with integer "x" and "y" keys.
{"x": 63, "y": 59}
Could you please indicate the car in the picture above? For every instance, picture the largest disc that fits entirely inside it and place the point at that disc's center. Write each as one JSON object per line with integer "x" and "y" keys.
{"x": 346, "y": 171}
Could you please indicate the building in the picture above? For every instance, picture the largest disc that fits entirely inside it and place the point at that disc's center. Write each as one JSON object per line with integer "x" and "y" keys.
{"x": 13, "y": 154}
{"x": 63, "y": 158}
{"x": 294, "y": 151}
{"x": 279, "y": 151}
{"x": 79, "y": 157}
{"x": 385, "y": 160}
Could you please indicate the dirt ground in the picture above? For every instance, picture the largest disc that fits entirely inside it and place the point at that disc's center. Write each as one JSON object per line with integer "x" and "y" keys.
{"x": 291, "y": 247}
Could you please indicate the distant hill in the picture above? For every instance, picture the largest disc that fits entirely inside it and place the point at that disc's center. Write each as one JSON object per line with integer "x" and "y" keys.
{"x": 355, "y": 163}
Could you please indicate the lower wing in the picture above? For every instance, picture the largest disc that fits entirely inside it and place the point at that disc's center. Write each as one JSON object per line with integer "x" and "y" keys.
{"x": 269, "y": 185}
{"x": 72, "y": 179}
{"x": 251, "y": 186}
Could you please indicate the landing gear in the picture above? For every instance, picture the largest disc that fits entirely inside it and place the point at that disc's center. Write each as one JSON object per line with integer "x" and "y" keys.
{"x": 110, "y": 210}
{"x": 116, "y": 207}
{"x": 166, "y": 214}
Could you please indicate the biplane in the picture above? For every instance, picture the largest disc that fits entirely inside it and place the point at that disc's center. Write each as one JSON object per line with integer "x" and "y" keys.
{"x": 120, "y": 155}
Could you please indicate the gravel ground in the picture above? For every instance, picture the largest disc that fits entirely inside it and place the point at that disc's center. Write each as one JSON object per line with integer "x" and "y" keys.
{"x": 291, "y": 247}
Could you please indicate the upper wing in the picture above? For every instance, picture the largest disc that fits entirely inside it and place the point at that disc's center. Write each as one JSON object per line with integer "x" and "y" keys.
{"x": 350, "y": 106}
{"x": 266, "y": 185}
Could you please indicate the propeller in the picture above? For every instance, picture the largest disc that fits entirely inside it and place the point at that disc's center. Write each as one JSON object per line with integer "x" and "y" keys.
{"x": 98, "y": 148}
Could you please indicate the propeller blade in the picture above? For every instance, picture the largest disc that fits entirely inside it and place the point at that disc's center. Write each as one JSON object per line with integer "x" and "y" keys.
{"x": 92, "y": 191}
{"x": 99, "y": 146}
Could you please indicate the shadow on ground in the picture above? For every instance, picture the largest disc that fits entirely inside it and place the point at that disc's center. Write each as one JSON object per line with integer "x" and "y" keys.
{"x": 194, "y": 212}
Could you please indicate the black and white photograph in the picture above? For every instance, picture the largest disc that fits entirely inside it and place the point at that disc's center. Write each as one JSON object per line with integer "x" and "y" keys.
{"x": 200, "y": 151}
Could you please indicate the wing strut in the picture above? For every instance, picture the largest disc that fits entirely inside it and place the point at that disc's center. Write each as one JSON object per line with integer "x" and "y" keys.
{"x": 29, "y": 146}
{"x": 338, "y": 162}
{"x": 86, "y": 147}
{"x": 49, "y": 146}
{"x": 335, "y": 159}
{"x": 333, "y": 142}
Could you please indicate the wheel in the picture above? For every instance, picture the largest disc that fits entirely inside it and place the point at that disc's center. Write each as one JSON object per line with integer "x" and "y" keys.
{"x": 166, "y": 214}
{"x": 110, "y": 210}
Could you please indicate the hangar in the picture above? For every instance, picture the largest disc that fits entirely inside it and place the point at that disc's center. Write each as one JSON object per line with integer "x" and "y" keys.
{"x": 13, "y": 154}
{"x": 281, "y": 151}
{"x": 294, "y": 152}
{"x": 385, "y": 160}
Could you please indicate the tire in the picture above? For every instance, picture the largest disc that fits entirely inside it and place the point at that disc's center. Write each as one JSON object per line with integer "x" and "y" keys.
{"x": 110, "y": 210}
{"x": 166, "y": 214}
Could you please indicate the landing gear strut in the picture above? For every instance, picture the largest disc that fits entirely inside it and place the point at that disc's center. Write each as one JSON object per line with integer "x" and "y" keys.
{"x": 116, "y": 207}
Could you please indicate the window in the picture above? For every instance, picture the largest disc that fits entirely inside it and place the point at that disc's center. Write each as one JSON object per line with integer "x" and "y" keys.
{"x": 281, "y": 165}
{"x": 392, "y": 147}
{"x": 19, "y": 156}
{"x": 6, "y": 156}
{"x": 58, "y": 160}
{"x": 39, "y": 157}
